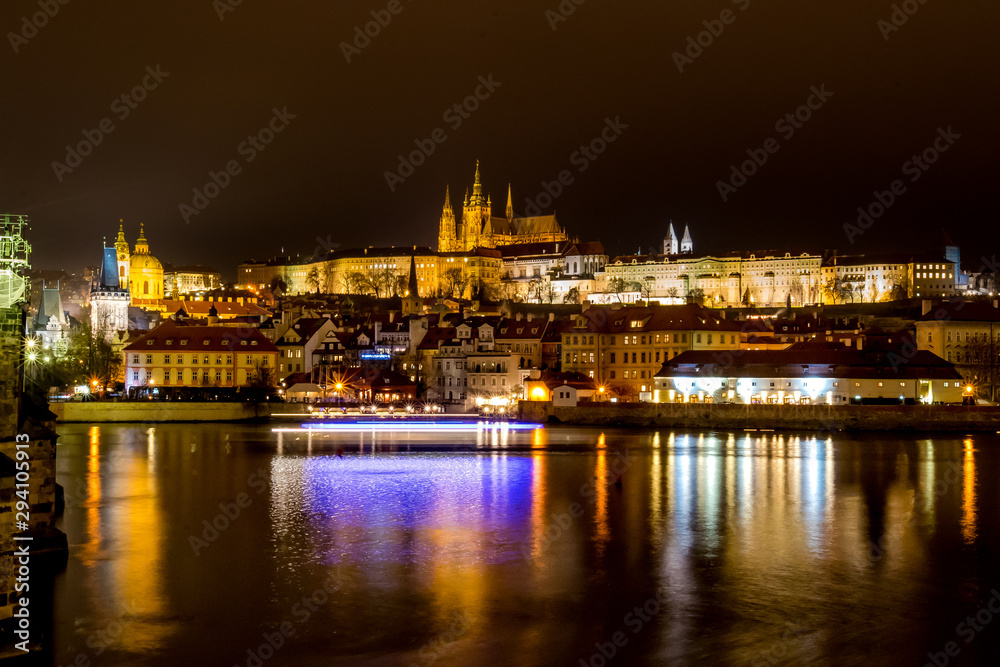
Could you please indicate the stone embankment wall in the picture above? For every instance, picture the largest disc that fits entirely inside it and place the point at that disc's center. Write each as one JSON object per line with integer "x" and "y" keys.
{"x": 153, "y": 411}
{"x": 940, "y": 418}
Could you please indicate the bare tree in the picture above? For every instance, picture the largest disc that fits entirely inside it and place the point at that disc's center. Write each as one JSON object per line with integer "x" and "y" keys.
{"x": 696, "y": 296}
{"x": 313, "y": 279}
{"x": 647, "y": 288}
{"x": 617, "y": 286}
{"x": 457, "y": 281}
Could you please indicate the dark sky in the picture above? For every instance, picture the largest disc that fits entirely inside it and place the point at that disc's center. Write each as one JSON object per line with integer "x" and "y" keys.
{"x": 324, "y": 174}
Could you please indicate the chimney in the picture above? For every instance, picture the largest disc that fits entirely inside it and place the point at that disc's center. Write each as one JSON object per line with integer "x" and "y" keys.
{"x": 517, "y": 317}
{"x": 378, "y": 330}
{"x": 528, "y": 318}
{"x": 552, "y": 316}
{"x": 392, "y": 316}
{"x": 925, "y": 306}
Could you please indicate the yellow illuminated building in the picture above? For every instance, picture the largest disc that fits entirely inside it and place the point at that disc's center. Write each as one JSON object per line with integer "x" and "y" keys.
{"x": 479, "y": 228}
{"x": 145, "y": 274}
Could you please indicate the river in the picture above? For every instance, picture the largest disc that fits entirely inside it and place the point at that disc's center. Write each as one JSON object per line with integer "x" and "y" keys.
{"x": 209, "y": 544}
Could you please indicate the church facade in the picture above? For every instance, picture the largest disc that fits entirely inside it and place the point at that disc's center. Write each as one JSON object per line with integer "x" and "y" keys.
{"x": 139, "y": 270}
{"x": 477, "y": 227}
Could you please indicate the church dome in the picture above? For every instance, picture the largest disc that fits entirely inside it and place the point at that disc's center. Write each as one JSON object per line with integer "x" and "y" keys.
{"x": 146, "y": 262}
{"x": 145, "y": 274}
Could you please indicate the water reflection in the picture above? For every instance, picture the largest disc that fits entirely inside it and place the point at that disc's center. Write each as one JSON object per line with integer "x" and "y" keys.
{"x": 541, "y": 541}
{"x": 969, "y": 492}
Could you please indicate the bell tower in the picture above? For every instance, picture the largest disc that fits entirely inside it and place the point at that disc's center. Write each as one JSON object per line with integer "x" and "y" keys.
{"x": 124, "y": 256}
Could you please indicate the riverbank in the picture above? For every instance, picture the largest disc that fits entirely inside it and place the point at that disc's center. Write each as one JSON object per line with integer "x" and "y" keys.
{"x": 916, "y": 418}
{"x": 154, "y": 411}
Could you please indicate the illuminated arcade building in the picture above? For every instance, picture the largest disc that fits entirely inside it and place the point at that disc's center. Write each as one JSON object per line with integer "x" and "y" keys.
{"x": 808, "y": 373}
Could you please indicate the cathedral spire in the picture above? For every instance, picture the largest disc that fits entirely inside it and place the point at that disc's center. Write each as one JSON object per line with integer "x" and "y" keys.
{"x": 477, "y": 190}
{"x": 447, "y": 199}
{"x": 510, "y": 204}
{"x": 687, "y": 245}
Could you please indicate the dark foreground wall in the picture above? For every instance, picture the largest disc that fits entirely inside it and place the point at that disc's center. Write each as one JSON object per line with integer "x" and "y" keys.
{"x": 788, "y": 417}
{"x": 155, "y": 411}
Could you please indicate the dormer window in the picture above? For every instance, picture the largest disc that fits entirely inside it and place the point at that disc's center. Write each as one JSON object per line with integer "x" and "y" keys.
{"x": 184, "y": 342}
{"x": 253, "y": 342}
{"x": 205, "y": 342}
{"x": 149, "y": 342}
{"x": 243, "y": 342}
{"x": 170, "y": 341}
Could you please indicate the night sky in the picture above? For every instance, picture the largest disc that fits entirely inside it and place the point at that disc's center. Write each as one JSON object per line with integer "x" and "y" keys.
{"x": 324, "y": 174}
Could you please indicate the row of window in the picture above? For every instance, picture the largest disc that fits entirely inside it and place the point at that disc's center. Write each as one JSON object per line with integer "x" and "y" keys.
{"x": 639, "y": 340}
{"x": 168, "y": 377}
{"x": 636, "y": 358}
{"x": 206, "y": 360}
{"x": 207, "y": 341}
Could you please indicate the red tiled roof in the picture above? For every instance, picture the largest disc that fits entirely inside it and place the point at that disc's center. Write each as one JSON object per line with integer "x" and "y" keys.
{"x": 690, "y": 317}
{"x": 173, "y": 337}
{"x": 509, "y": 328}
{"x": 224, "y": 308}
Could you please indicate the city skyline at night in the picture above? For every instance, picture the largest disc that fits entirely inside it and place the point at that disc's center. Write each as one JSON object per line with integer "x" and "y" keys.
{"x": 270, "y": 128}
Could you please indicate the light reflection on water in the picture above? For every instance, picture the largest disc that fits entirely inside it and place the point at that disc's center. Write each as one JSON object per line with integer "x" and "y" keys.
{"x": 528, "y": 538}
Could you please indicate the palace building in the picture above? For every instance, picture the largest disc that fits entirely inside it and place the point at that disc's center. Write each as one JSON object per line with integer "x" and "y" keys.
{"x": 479, "y": 228}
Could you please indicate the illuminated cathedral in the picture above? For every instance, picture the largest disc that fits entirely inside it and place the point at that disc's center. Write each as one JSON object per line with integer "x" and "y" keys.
{"x": 479, "y": 228}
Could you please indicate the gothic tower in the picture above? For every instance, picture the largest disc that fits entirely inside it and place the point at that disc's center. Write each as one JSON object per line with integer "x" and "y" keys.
{"x": 687, "y": 245}
{"x": 446, "y": 229}
{"x": 476, "y": 215}
{"x": 670, "y": 244}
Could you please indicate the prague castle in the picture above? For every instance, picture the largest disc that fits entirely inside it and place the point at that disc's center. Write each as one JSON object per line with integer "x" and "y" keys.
{"x": 479, "y": 228}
